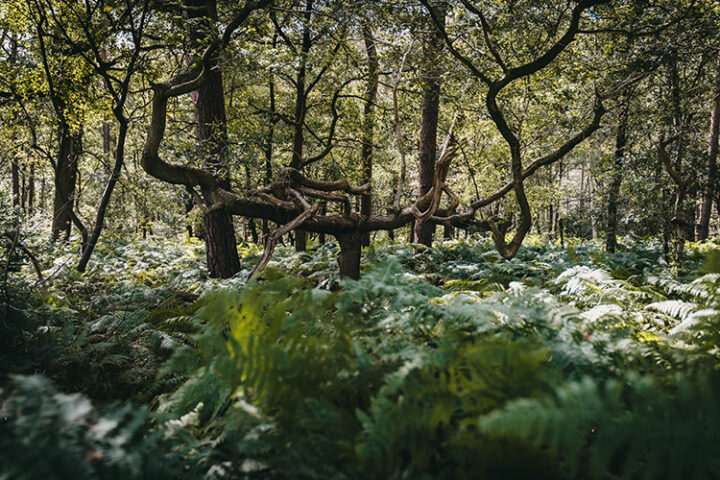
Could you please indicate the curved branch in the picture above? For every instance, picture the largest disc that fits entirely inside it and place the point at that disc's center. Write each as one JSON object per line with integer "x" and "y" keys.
{"x": 181, "y": 84}
{"x": 272, "y": 239}
{"x": 563, "y": 150}
{"x": 566, "y": 39}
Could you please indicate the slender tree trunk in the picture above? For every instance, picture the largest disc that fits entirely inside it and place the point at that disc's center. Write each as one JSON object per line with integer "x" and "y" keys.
{"x": 321, "y": 235}
{"x": 31, "y": 190}
{"x": 23, "y": 190}
{"x": 254, "y": 237}
{"x": 428, "y": 123}
{"x": 105, "y": 199}
{"x": 709, "y": 187}
{"x": 270, "y": 140}
{"x": 349, "y": 257}
{"x": 369, "y": 123}
{"x": 300, "y": 111}
{"x": 14, "y": 166}
{"x": 15, "y": 174}
{"x": 679, "y": 210}
{"x": 211, "y": 131}
{"x": 65, "y": 179}
{"x": 106, "y": 137}
{"x": 616, "y": 179}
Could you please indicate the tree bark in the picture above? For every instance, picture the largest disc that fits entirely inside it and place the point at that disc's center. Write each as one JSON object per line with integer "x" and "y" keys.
{"x": 369, "y": 124}
{"x": 616, "y": 179}
{"x": 270, "y": 140}
{"x": 91, "y": 242}
{"x": 300, "y": 111}
{"x": 15, "y": 174}
{"x": 14, "y": 166}
{"x": 679, "y": 219}
{"x": 349, "y": 256}
{"x": 709, "y": 187}
{"x": 211, "y": 131}
{"x": 423, "y": 232}
{"x": 65, "y": 179}
{"x": 31, "y": 190}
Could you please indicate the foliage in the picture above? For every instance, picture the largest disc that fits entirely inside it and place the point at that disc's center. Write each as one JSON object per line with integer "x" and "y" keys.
{"x": 392, "y": 377}
{"x": 454, "y": 363}
{"x": 48, "y": 434}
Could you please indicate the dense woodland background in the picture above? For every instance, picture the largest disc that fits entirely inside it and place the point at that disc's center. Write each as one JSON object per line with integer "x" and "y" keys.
{"x": 314, "y": 239}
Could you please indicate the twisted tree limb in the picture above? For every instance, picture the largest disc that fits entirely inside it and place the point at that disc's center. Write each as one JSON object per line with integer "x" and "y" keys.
{"x": 272, "y": 239}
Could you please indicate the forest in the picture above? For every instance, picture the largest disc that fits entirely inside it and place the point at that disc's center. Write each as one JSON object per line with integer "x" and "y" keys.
{"x": 314, "y": 239}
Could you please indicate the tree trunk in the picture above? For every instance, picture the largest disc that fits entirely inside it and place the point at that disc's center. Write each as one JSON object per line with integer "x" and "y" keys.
{"x": 349, "y": 257}
{"x": 428, "y": 123}
{"x": 270, "y": 140}
{"x": 616, "y": 179}
{"x": 31, "y": 190}
{"x": 14, "y": 166}
{"x": 65, "y": 178}
{"x": 709, "y": 188}
{"x": 300, "y": 240}
{"x": 321, "y": 235}
{"x": 92, "y": 240}
{"x": 106, "y": 137}
{"x": 211, "y": 131}
{"x": 369, "y": 124}
{"x": 15, "y": 174}
{"x": 300, "y": 111}
{"x": 679, "y": 210}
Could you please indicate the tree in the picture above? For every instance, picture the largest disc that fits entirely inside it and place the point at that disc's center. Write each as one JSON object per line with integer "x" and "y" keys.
{"x": 211, "y": 131}
{"x": 430, "y": 106}
{"x": 369, "y": 121}
{"x": 709, "y": 188}
{"x": 617, "y": 175}
{"x": 494, "y": 61}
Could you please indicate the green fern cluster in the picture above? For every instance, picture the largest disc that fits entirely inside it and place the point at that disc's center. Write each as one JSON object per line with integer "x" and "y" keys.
{"x": 574, "y": 374}
{"x": 563, "y": 363}
{"x": 48, "y": 434}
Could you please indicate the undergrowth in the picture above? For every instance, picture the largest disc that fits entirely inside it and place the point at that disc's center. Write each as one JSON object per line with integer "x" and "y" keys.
{"x": 444, "y": 363}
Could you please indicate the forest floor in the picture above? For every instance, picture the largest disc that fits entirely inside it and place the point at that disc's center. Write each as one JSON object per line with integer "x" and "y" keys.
{"x": 448, "y": 363}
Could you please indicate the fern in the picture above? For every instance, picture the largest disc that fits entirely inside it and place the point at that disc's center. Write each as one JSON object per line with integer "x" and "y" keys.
{"x": 614, "y": 430}
{"x": 48, "y": 434}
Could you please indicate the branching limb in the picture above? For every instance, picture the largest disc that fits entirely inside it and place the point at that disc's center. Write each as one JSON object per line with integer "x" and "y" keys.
{"x": 339, "y": 186}
{"x": 272, "y": 239}
{"x": 665, "y": 159}
{"x": 551, "y": 158}
{"x": 431, "y": 200}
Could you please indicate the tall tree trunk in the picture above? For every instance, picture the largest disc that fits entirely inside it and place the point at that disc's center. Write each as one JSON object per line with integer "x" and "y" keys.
{"x": 65, "y": 179}
{"x": 301, "y": 110}
{"x": 270, "y": 140}
{"x": 91, "y": 242}
{"x": 369, "y": 123}
{"x": 211, "y": 131}
{"x": 15, "y": 174}
{"x": 23, "y": 189}
{"x": 250, "y": 221}
{"x": 429, "y": 122}
{"x": 679, "y": 209}
{"x": 14, "y": 166}
{"x": 106, "y": 137}
{"x": 616, "y": 178}
{"x": 709, "y": 187}
{"x": 31, "y": 190}
{"x": 349, "y": 257}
